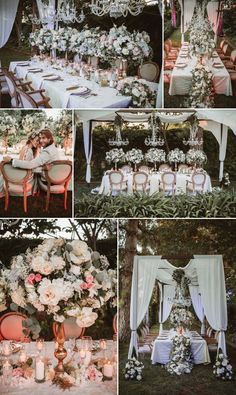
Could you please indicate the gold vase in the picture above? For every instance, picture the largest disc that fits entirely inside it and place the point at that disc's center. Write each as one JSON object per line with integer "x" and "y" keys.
{"x": 60, "y": 353}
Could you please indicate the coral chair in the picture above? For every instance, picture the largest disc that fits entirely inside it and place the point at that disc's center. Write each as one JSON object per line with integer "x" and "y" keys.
{"x": 57, "y": 176}
{"x": 11, "y": 327}
{"x": 16, "y": 183}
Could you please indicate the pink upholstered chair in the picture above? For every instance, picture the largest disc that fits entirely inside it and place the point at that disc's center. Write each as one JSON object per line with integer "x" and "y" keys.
{"x": 71, "y": 329}
{"x": 16, "y": 183}
{"x": 11, "y": 327}
{"x": 168, "y": 182}
{"x": 140, "y": 182}
{"x": 57, "y": 175}
{"x": 197, "y": 183}
{"x": 117, "y": 183}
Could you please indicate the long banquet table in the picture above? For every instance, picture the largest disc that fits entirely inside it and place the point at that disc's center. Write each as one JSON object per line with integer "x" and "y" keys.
{"x": 154, "y": 180}
{"x": 181, "y": 77}
{"x": 31, "y": 387}
{"x": 102, "y": 97}
{"x": 163, "y": 345}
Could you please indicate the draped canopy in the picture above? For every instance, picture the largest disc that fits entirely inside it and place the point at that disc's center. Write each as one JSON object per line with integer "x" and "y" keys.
{"x": 217, "y": 122}
{"x": 207, "y": 291}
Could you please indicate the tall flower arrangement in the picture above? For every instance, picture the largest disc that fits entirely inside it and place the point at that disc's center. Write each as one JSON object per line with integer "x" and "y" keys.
{"x": 196, "y": 157}
{"x": 60, "y": 278}
{"x": 42, "y": 39}
{"x": 116, "y": 155}
{"x": 8, "y": 127}
{"x": 87, "y": 42}
{"x": 61, "y": 38}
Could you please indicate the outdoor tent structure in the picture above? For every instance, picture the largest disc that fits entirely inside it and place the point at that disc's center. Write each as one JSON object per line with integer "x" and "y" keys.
{"x": 217, "y": 122}
{"x": 207, "y": 291}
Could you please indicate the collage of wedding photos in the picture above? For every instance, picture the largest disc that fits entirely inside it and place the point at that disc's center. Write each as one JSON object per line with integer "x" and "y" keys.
{"x": 117, "y": 197}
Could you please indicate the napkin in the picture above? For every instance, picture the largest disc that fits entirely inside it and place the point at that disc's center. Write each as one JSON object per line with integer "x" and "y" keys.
{"x": 70, "y": 88}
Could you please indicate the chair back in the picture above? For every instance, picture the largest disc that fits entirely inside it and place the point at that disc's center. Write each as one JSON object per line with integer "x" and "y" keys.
{"x": 11, "y": 326}
{"x": 116, "y": 177}
{"x": 10, "y": 83}
{"x": 126, "y": 168}
{"x": 164, "y": 167}
{"x": 225, "y": 48}
{"x": 144, "y": 168}
{"x": 183, "y": 167}
{"x": 25, "y": 99}
{"x": 140, "y": 180}
{"x": 233, "y": 56}
{"x": 166, "y": 48}
{"x": 14, "y": 175}
{"x": 198, "y": 180}
{"x": 58, "y": 172}
{"x": 168, "y": 179}
{"x": 71, "y": 329}
{"x": 222, "y": 44}
{"x": 149, "y": 71}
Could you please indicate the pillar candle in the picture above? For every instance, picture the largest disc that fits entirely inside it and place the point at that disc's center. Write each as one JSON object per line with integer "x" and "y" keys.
{"x": 39, "y": 370}
{"x": 108, "y": 370}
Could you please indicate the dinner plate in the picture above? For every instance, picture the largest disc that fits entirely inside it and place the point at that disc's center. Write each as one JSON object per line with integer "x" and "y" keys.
{"x": 83, "y": 90}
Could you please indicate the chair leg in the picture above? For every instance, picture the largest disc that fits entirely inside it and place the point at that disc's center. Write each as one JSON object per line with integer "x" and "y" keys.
{"x": 25, "y": 201}
{"x": 65, "y": 199}
{"x": 47, "y": 199}
{"x": 6, "y": 200}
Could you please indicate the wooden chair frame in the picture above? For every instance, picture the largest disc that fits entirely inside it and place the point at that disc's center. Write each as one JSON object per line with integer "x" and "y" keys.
{"x": 116, "y": 183}
{"x": 143, "y": 184}
{"x": 172, "y": 184}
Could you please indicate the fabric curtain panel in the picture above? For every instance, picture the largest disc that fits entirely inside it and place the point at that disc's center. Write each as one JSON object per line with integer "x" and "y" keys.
{"x": 197, "y": 305}
{"x": 211, "y": 279}
{"x": 8, "y": 10}
{"x": 143, "y": 281}
{"x": 167, "y": 294}
{"x": 189, "y": 6}
{"x": 212, "y": 8}
{"x": 88, "y": 148}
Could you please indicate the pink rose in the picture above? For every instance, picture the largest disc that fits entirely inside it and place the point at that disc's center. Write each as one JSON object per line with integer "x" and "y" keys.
{"x": 38, "y": 277}
{"x": 31, "y": 278}
{"x": 18, "y": 372}
{"x": 89, "y": 279}
{"x": 84, "y": 286}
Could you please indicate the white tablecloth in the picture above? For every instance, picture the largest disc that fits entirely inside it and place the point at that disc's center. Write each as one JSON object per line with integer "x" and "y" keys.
{"x": 90, "y": 388}
{"x": 162, "y": 349}
{"x": 181, "y": 78}
{"x": 61, "y": 98}
{"x": 154, "y": 180}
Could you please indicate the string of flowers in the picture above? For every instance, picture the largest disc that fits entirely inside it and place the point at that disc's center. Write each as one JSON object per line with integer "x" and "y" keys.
{"x": 142, "y": 95}
{"x": 201, "y": 92}
{"x": 181, "y": 356}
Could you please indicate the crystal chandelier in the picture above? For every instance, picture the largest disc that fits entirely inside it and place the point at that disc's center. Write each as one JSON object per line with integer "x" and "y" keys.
{"x": 65, "y": 13}
{"x": 193, "y": 140}
{"x": 117, "y": 8}
{"x": 118, "y": 141}
{"x": 155, "y": 139}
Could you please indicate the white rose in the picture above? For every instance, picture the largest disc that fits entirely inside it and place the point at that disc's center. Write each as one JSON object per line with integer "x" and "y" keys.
{"x": 57, "y": 262}
{"x": 80, "y": 253}
{"x": 49, "y": 294}
{"x": 86, "y": 317}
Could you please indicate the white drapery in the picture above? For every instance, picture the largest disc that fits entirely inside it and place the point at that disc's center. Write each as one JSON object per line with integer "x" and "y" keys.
{"x": 213, "y": 16}
{"x": 187, "y": 9}
{"x": 197, "y": 305}
{"x": 167, "y": 293}
{"x": 206, "y": 273}
{"x": 88, "y": 148}
{"x": 8, "y": 10}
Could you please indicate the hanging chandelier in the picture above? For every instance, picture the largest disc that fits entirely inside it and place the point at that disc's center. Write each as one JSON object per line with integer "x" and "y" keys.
{"x": 118, "y": 141}
{"x": 193, "y": 140}
{"x": 65, "y": 13}
{"x": 117, "y": 8}
{"x": 155, "y": 139}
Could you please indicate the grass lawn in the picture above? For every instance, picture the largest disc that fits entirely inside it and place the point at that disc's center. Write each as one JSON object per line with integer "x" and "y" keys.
{"x": 36, "y": 207}
{"x": 11, "y": 53}
{"x": 156, "y": 380}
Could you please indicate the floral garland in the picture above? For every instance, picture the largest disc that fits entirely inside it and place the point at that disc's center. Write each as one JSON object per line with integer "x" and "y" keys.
{"x": 196, "y": 157}
{"x": 200, "y": 95}
{"x": 176, "y": 156}
{"x": 141, "y": 93}
{"x": 63, "y": 125}
{"x": 222, "y": 369}
{"x": 154, "y": 155}
{"x": 134, "y": 155}
{"x": 181, "y": 356}
{"x": 63, "y": 279}
{"x": 115, "y": 155}
{"x": 180, "y": 316}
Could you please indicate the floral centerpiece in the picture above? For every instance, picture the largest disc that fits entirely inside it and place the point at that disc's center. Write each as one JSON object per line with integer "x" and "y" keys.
{"x": 61, "y": 39}
{"x": 181, "y": 356}
{"x": 42, "y": 39}
{"x": 201, "y": 95}
{"x": 222, "y": 369}
{"x": 155, "y": 155}
{"x": 134, "y": 156}
{"x": 142, "y": 95}
{"x": 8, "y": 127}
{"x": 176, "y": 156}
{"x": 86, "y": 43}
{"x": 196, "y": 157}
{"x": 116, "y": 155}
{"x": 181, "y": 317}
{"x": 201, "y": 33}
{"x": 59, "y": 278}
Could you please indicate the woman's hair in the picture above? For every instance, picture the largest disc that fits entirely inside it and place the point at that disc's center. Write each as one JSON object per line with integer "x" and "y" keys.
{"x": 31, "y": 137}
{"x": 48, "y": 134}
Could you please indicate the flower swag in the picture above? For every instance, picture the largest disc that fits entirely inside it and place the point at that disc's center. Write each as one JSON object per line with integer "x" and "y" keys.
{"x": 181, "y": 356}
{"x": 59, "y": 278}
{"x": 142, "y": 95}
{"x": 201, "y": 92}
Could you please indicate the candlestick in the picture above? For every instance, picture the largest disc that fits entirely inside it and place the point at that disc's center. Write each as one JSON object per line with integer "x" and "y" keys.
{"x": 108, "y": 370}
{"x": 39, "y": 371}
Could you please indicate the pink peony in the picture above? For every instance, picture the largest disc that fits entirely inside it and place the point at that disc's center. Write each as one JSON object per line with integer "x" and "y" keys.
{"x": 18, "y": 372}
{"x": 89, "y": 279}
{"x": 38, "y": 277}
{"x": 84, "y": 286}
{"x": 31, "y": 278}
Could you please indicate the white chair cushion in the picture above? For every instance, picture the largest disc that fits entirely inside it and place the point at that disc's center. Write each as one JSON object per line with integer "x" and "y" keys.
{"x": 57, "y": 189}
{"x": 15, "y": 189}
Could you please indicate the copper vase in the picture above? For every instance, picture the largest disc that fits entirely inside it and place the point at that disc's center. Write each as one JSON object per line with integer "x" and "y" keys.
{"x": 60, "y": 353}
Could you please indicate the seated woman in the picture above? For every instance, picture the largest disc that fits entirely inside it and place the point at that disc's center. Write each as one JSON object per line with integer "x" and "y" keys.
{"x": 29, "y": 152}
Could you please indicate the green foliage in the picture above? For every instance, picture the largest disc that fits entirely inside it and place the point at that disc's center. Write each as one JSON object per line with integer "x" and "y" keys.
{"x": 217, "y": 204}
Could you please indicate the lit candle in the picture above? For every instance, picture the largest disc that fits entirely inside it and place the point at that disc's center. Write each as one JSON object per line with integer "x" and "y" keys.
{"x": 39, "y": 371}
{"x": 88, "y": 356}
{"x": 39, "y": 344}
{"x": 103, "y": 344}
{"x": 108, "y": 370}
{"x": 23, "y": 357}
{"x": 82, "y": 353}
